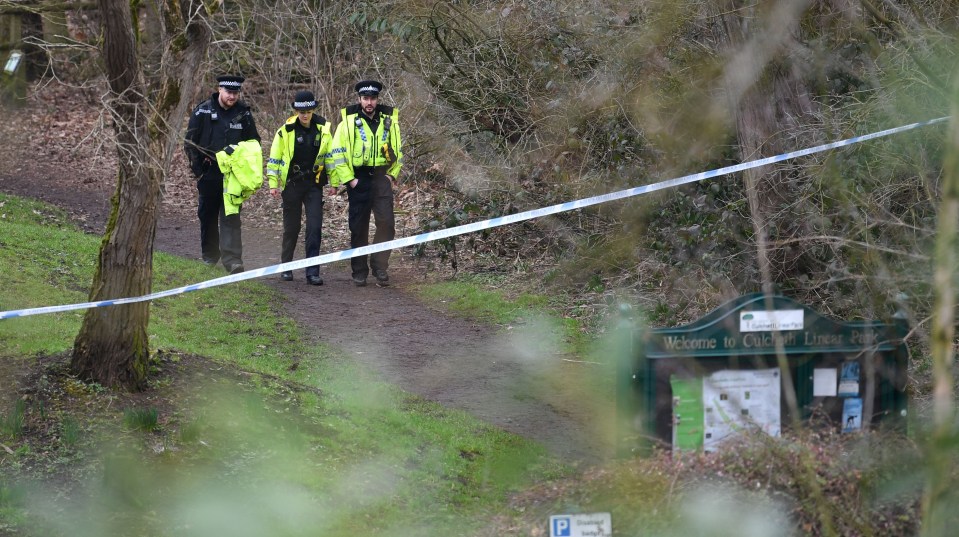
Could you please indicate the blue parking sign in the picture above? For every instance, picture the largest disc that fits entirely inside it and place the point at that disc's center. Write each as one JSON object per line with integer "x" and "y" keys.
{"x": 581, "y": 525}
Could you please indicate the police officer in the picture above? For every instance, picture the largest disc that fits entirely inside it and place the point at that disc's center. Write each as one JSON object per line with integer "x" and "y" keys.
{"x": 296, "y": 172}
{"x": 216, "y": 123}
{"x": 367, "y": 157}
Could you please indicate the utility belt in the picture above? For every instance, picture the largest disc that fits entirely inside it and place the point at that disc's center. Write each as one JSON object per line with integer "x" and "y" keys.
{"x": 370, "y": 172}
{"x": 297, "y": 174}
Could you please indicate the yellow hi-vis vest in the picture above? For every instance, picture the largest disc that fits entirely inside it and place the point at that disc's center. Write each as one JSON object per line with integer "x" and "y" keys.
{"x": 281, "y": 152}
{"x": 355, "y": 144}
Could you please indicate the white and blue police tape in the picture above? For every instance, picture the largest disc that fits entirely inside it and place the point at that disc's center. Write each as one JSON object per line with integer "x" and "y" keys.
{"x": 470, "y": 228}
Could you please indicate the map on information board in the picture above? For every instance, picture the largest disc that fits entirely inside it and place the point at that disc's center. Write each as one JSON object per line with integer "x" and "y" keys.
{"x": 740, "y": 400}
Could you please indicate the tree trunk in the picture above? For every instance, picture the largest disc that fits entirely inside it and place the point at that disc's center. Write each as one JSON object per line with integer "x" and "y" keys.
{"x": 187, "y": 37}
{"x": 112, "y": 347}
{"x": 765, "y": 90}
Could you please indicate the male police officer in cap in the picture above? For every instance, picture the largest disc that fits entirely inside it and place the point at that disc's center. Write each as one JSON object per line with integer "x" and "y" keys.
{"x": 296, "y": 172}
{"x": 216, "y": 123}
{"x": 367, "y": 157}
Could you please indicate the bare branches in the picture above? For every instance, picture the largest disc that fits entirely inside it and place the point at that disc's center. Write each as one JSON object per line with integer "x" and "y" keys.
{"x": 9, "y": 7}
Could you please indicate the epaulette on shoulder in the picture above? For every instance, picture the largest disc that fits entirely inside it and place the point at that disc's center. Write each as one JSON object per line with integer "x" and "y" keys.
{"x": 205, "y": 105}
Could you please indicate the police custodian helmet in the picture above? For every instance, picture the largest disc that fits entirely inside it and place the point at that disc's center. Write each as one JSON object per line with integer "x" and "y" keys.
{"x": 230, "y": 82}
{"x": 368, "y": 87}
{"x": 304, "y": 100}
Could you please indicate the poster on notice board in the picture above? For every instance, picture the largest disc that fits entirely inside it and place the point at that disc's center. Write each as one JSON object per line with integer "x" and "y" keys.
{"x": 849, "y": 379}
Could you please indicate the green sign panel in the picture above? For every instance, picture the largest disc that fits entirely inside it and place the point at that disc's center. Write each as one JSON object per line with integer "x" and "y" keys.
{"x": 760, "y": 324}
{"x": 687, "y": 413}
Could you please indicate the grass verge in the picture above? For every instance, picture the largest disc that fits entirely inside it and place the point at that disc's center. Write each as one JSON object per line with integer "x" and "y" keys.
{"x": 491, "y": 298}
{"x": 235, "y": 441}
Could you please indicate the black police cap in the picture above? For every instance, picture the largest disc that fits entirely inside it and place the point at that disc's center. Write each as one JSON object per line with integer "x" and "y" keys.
{"x": 304, "y": 100}
{"x": 368, "y": 87}
{"x": 230, "y": 82}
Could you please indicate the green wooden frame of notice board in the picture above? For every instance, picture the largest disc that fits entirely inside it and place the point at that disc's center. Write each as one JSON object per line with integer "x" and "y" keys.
{"x": 760, "y": 331}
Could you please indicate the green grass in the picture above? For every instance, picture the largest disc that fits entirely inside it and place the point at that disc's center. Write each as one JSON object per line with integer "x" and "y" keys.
{"x": 483, "y": 297}
{"x": 11, "y": 424}
{"x": 12, "y": 501}
{"x": 141, "y": 419}
{"x": 474, "y": 296}
{"x": 69, "y": 431}
{"x": 324, "y": 447}
{"x": 44, "y": 262}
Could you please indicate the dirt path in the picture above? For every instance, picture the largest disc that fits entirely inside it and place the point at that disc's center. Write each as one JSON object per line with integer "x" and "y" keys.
{"x": 485, "y": 370}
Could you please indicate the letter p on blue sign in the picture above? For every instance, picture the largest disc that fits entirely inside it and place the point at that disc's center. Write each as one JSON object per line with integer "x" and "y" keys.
{"x": 581, "y": 525}
{"x": 559, "y": 527}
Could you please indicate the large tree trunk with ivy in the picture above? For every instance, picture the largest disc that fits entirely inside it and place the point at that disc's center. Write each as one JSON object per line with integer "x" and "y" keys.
{"x": 112, "y": 347}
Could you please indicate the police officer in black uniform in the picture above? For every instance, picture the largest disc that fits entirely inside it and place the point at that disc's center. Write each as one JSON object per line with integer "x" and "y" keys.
{"x": 216, "y": 123}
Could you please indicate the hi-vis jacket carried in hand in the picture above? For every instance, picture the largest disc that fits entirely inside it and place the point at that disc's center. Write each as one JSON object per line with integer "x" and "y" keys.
{"x": 242, "y": 166}
{"x": 281, "y": 152}
{"x": 356, "y": 145}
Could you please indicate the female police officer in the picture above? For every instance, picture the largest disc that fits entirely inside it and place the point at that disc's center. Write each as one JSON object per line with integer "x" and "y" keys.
{"x": 296, "y": 172}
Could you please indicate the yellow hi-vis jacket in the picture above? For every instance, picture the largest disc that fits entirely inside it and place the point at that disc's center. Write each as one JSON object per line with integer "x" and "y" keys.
{"x": 281, "y": 152}
{"x": 242, "y": 167}
{"x": 354, "y": 144}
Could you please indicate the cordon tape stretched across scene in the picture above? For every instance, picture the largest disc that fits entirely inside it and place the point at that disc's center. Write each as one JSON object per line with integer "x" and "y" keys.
{"x": 470, "y": 228}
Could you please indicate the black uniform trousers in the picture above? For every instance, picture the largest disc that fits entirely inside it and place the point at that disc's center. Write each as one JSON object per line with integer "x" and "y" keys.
{"x": 373, "y": 194}
{"x": 297, "y": 195}
{"x": 220, "y": 238}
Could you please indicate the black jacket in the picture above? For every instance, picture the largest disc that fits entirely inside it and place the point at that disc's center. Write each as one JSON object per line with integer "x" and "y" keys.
{"x": 211, "y": 128}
